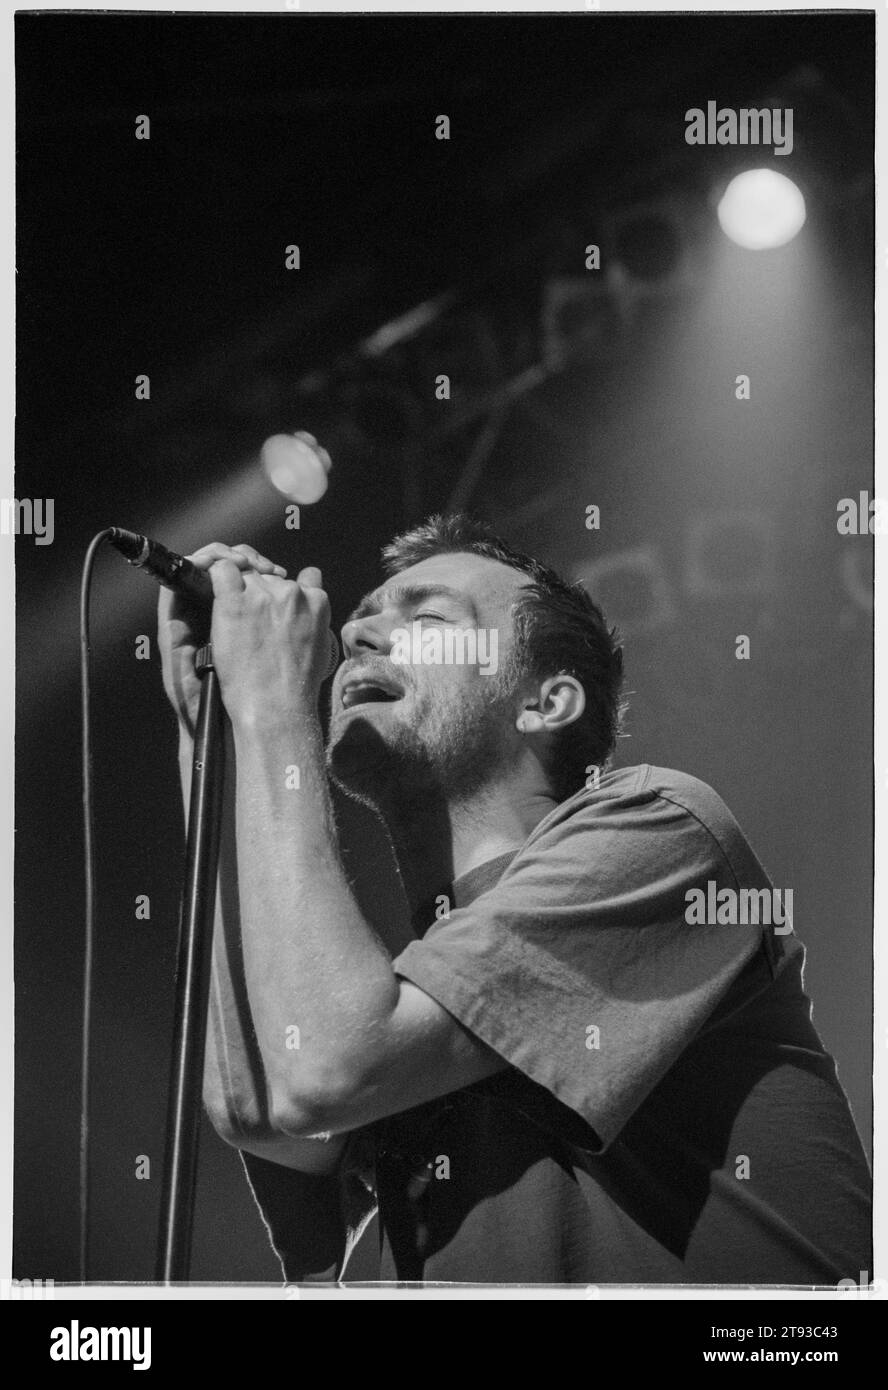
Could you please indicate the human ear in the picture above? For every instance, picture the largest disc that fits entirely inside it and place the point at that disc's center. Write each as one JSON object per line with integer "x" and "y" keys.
{"x": 561, "y": 701}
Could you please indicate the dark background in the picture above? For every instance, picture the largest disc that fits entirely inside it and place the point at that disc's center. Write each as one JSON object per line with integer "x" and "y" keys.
{"x": 569, "y": 388}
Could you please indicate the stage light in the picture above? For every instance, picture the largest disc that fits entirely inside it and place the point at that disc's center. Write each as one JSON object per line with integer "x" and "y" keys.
{"x": 632, "y": 587}
{"x": 730, "y": 553}
{"x": 296, "y": 465}
{"x": 761, "y": 209}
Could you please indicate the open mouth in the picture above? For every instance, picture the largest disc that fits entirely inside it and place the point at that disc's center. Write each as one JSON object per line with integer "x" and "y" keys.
{"x": 368, "y": 692}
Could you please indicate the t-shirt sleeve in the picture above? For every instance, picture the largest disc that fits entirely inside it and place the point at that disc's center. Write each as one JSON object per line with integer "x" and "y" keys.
{"x": 579, "y": 966}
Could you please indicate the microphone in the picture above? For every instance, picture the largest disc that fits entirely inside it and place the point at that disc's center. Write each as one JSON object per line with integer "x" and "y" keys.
{"x": 175, "y": 572}
{"x": 168, "y": 568}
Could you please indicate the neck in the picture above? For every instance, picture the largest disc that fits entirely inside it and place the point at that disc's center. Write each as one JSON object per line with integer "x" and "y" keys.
{"x": 434, "y": 845}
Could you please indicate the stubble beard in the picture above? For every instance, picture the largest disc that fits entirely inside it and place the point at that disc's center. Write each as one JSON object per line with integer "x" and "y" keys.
{"x": 447, "y": 755}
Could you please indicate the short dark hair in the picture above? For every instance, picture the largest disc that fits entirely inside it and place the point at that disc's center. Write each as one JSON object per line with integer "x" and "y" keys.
{"x": 558, "y": 628}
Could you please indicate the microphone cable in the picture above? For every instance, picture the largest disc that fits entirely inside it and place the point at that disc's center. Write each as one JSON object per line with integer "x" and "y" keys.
{"x": 90, "y": 899}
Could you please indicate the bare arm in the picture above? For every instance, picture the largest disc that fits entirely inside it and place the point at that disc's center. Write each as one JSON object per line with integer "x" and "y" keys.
{"x": 362, "y": 1043}
{"x": 235, "y": 1089}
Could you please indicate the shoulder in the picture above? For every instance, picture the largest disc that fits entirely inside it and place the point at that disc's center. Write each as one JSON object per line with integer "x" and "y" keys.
{"x": 638, "y": 789}
{"x": 659, "y": 802}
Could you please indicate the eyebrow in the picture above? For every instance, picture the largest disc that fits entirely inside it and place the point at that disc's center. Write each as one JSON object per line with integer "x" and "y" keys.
{"x": 406, "y": 594}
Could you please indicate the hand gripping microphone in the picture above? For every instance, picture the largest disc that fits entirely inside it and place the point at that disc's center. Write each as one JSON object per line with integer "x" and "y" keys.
{"x": 179, "y": 574}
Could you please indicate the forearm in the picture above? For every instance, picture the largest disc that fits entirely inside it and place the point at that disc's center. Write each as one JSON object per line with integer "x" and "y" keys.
{"x": 234, "y": 1088}
{"x": 234, "y": 1085}
{"x": 321, "y": 985}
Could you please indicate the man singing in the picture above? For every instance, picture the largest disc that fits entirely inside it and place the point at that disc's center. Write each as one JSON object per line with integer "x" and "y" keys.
{"x": 567, "y": 1076}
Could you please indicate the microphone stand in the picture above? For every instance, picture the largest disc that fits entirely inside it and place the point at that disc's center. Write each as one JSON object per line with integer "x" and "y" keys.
{"x": 194, "y": 957}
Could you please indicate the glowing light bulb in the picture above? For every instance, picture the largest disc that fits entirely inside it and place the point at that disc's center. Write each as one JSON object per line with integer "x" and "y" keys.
{"x": 296, "y": 465}
{"x": 761, "y": 209}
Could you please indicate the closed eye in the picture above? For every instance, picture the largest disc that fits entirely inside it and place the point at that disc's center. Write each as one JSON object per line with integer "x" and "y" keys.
{"x": 440, "y": 618}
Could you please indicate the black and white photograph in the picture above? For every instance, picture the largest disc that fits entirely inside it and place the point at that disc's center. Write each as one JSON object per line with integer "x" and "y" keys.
{"x": 444, "y": 519}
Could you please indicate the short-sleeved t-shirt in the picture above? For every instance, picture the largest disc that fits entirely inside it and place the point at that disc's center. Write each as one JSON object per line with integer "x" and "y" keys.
{"x": 668, "y": 1114}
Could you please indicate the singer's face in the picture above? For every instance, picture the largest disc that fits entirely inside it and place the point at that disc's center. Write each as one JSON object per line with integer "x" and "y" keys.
{"x": 420, "y": 700}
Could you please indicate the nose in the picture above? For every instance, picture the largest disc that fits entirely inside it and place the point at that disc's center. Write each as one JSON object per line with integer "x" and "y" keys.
{"x": 371, "y": 634}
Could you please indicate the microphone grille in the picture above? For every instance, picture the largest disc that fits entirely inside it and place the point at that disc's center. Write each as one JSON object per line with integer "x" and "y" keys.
{"x": 334, "y": 658}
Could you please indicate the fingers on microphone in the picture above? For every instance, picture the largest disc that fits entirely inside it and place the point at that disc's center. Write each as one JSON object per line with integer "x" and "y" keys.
{"x": 209, "y": 554}
{"x": 244, "y": 556}
{"x": 260, "y": 562}
{"x": 227, "y": 576}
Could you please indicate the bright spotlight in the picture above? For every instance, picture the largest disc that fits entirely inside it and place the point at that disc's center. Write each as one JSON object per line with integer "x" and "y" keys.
{"x": 761, "y": 209}
{"x": 296, "y": 465}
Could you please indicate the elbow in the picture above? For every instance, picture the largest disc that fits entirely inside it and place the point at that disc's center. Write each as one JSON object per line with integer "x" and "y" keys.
{"x": 315, "y": 1105}
{"x": 227, "y": 1126}
{"x": 237, "y": 1121}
